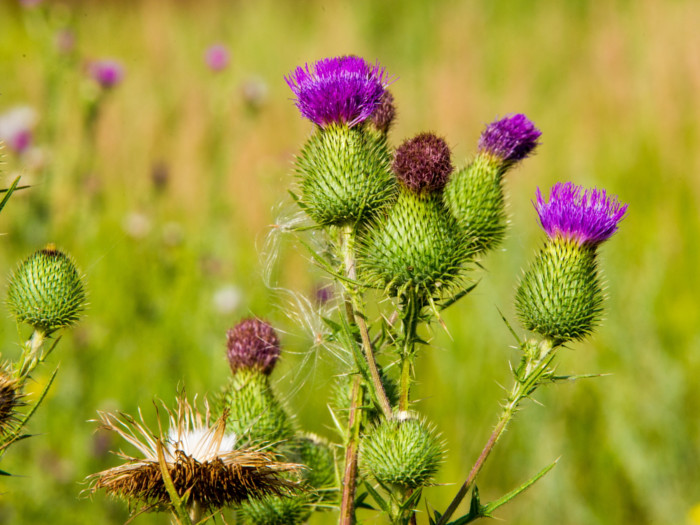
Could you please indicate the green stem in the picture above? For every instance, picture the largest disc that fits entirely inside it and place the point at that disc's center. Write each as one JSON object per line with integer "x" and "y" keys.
{"x": 528, "y": 378}
{"x": 31, "y": 355}
{"x": 410, "y": 313}
{"x": 359, "y": 319}
{"x": 347, "y": 504}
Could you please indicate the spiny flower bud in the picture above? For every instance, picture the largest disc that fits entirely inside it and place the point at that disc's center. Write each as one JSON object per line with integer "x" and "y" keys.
{"x": 345, "y": 175}
{"x": 317, "y": 456}
{"x": 384, "y": 114}
{"x": 252, "y": 344}
{"x": 404, "y": 451}
{"x": 474, "y": 194}
{"x": 417, "y": 244}
{"x": 423, "y": 164}
{"x": 340, "y": 90}
{"x": 560, "y": 296}
{"x": 255, "y": 414}
{"x": 275, "y": 510}
{"x": 46, "y": 291}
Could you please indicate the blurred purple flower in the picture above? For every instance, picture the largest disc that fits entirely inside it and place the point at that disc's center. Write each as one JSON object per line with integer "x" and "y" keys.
{"x": 30, "y": 3}
{"x": 587, "y": 216}
{"x": 510, "y": 139}
{"x": 343, "y": 90}
{"x": 252, "y": 343}
{"x": 106, "y": 72}
{"x": 16, "y": 127}
{"x": 217, "y": 57}
{"x": 423, "y": 163}
{"x": 64, "y": 40}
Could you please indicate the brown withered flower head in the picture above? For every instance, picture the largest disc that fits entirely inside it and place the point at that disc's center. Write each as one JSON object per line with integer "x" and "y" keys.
{"x": 206, "y": 468}
{"x": 10, "y": 400}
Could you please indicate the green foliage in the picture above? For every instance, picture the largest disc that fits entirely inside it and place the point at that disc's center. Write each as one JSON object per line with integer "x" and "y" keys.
{"x": 560, "y": 295}
{"x": 345, "y": 174}
{"x": 274, "y": 510}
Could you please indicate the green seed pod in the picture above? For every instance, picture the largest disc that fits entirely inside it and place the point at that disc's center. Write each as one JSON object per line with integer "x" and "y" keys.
{"x": 255, "y": 415}
{"x": 475, "y": 197}
{"x": 317, "y": 455}
{"x": 416, "y": 245}
{"x": 274, "y": 510}
{"x": 560, "y": 295}
{"x": 46, "y": 291}
{"x": 345, "y": 174}
{"x": 404, "y": 451}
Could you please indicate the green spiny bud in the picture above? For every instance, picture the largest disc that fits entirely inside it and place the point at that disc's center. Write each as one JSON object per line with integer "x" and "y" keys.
{"x": 474, "y": 195}
{"x": 274, "y": 510}
{"x": 317, "y": 456}
{"x": 560, "y": 295}
{"x": 255, "y": 415}
{"x": 46, "y": 291}
{"x": 345, "y": 174}
{"x": 404, "y": 451}
{"x": 416, "y": 245}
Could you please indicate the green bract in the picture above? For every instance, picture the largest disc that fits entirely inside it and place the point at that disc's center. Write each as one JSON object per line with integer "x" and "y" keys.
{"x": 403, "y": 452}
{"x": 274, "y": 510}
{"x": 417, "y": 245}
{"x": 474, "y": 195}
{"x": 560, "y": 296}
{"x": 46, "y": 291}
{"x": 255, "y": 415}
{"x": 345, "y": 175}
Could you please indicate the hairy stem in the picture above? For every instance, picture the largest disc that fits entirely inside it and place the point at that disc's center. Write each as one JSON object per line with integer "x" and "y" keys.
{"x": 535, "y": 366}
{"x": 409, "y": 314}
{"x": 31, "y": 355}
{"x": 347, "y": 504}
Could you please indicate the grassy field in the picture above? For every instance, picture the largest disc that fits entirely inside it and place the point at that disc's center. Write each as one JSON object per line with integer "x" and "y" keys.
{"x": 614, "y": 87}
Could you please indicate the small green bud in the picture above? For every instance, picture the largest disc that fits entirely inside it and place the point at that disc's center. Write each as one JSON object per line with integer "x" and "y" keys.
{"x": 274, "y": 510}
{"x": 416, "y": 245}
{"x": 560, "y": 295}
{"x": 404, "y": 451}
{"x": 46, "y": 291}
{"x": 345, "y": 174}
{"x": 255, "y": 415}
{"x": 474, "y": 195}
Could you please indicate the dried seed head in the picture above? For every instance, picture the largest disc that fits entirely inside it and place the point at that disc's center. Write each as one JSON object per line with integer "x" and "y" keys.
{"x": 10, "y": 400}
{"x": 200, "y": 458}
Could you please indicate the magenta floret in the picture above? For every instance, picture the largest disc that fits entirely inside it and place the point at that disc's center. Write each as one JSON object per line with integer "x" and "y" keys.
{"x": 343, "y": 90}
{"x": 106, "y": 72}
{"x": 511, "y": 139}
{"x": 572, "y": 212}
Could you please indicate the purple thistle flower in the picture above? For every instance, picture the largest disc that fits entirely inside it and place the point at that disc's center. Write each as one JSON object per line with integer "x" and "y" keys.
{"x": 510, "y": 139}
{"x": 106, "y": 72}
{"x": 16, "y": 128}
{"x": 385, "y": 113}
{"x": 423, "y": 164}
{"x": 217, "y": 57}
{"x": 588, "y": 216}
{"x": 252, "y": 343}
{"x": 343, "y": 89}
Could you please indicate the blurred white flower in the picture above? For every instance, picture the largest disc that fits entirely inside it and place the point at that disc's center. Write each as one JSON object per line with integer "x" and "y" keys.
{"x": 16, "y": 128}
{"x": 227, "y": 299}
{"x": 136, "y": 225}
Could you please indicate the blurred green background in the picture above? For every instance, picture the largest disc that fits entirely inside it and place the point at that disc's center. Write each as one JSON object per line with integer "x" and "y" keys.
{"x": 167, "y": 204}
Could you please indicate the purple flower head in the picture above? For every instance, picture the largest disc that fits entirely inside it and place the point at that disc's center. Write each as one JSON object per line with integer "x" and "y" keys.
{"x": 217, "y": 57}
{"x": 510, "y": 139}
{"x": 252, "y": 343}
{"x": 16, "y": 128}
{"x": 587, "y": 216}
{"x": 343, "y": 89}
{"x": 423, "y": 164}
{"x": 106, "y": 72}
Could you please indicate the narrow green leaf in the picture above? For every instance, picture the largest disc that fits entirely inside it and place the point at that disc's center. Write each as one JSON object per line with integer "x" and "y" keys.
{"x": 383, "y": 504}
{"x": 9, "y": 191}
{"x": 487, "y": 509}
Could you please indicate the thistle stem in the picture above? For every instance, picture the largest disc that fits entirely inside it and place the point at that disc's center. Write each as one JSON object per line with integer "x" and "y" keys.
{"x": 528, "y": 377}
{"x": 31, "y": 355}
{"x": 349, "y": 256}
{"x": 347, "y": 505}
{"x": 409, "y": 314}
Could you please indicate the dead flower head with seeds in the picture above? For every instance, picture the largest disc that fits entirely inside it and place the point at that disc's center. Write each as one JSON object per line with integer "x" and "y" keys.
{"x": 195, "y": 467}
